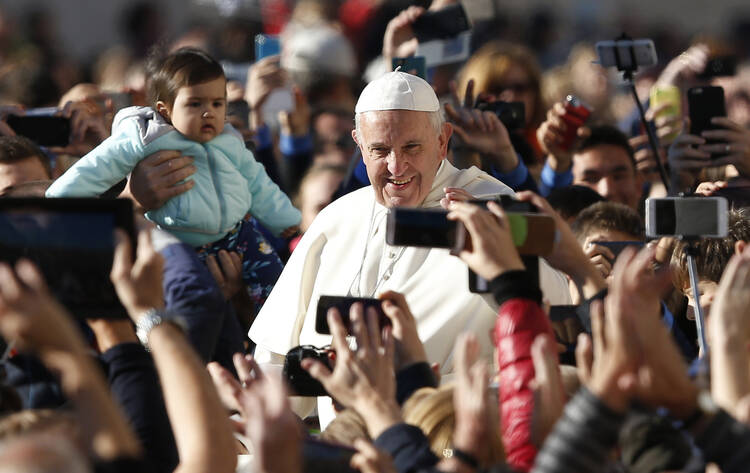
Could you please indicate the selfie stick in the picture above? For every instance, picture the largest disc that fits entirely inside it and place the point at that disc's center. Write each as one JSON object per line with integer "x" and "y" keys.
{"x": 627, "y": 74}
{"x": 691, "y": 250}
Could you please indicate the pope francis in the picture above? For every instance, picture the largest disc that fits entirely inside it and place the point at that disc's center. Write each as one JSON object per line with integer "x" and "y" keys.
{"x": 404, "y": 141}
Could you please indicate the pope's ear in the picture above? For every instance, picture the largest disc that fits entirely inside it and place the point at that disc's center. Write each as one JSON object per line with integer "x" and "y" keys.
{"x": 354, "y": 137}
{"x": 446, "y": 130}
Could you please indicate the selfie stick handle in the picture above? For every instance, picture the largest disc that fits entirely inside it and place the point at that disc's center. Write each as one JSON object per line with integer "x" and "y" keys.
{"x": 627, "y": 74}
{"x": 700, "y": 322}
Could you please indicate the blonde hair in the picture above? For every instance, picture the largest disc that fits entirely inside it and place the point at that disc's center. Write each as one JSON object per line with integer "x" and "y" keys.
{"x": 489, "y": 65}
{"x": 345, "y": 428}
{"x": 432, "y": 411}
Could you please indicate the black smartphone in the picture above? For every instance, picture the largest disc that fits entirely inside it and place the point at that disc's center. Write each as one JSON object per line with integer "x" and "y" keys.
{"x": 511, "y": 114}
{"x": 705, "y": 103}
{"x": 43, "y": 130}
{"x": 71, "y": 240}
{"x": 325, "y": 457}
{"x": 413, "y": 65}
{"x": 428, "y": 228}
{"x": 344, "y": 304}
{"x": 508, "y": 203}
{"x": 445, "y": 23}
{"x": 720, "y": 66}
{"x": 616, "y": 247}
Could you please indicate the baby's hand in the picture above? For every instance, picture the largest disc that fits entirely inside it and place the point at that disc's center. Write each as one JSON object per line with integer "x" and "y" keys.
{"x": 289, "y": 232}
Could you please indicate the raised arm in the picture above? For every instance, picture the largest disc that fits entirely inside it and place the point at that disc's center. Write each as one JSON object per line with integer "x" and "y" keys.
{"x": 30, "y": 316}
{"x": 201, "y": 429}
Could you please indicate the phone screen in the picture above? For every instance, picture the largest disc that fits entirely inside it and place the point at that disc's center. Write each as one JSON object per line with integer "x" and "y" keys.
{"x": 72, "y": 243}
{"x": 344, "y": 304}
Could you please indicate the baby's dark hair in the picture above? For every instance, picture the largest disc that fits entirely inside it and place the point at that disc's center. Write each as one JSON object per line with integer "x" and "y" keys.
{"x": 184, "y": 67}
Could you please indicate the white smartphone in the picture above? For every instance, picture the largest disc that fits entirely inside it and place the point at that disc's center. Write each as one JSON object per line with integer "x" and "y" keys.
{"x": 687, "y": 217}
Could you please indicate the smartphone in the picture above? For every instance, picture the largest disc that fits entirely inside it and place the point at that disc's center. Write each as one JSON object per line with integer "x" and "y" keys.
{"x": 511, "y": 114}
{"x": 428, "y": 228}
{"x": 445, "y": 23}
{"x": 71, "y": 240}
{"x": 532, "y": 232}
{"x": 325, "y": 457}
{"x": 720, "y": 66}
{"x": 266, "y": 45}
{"x": 704, "y": 103}
{"x": 626, "y": 54}
{"x": 576, "y": 114}
{"x": 44, "y": 130}
{"x": 687, "y": 217}
{"x": 344, "y": 304}
{"x": 508, "y": 203}
{"x": 415, "y": 65}
{"x": 668, "y": 97}
{"x": 616, "y": 247}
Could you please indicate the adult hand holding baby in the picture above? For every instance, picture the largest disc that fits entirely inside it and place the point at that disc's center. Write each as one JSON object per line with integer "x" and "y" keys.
{"x": 158, "y": 178}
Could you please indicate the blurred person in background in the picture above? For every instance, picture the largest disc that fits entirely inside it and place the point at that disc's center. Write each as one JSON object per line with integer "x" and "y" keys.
{"x": 509, "y": 72}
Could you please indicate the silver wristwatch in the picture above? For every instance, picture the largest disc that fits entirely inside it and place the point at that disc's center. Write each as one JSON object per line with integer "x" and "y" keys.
{"x": 146, "y": 323}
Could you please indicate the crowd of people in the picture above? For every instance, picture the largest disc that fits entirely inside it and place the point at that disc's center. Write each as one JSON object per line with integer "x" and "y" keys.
{"x": 258, "y": 186}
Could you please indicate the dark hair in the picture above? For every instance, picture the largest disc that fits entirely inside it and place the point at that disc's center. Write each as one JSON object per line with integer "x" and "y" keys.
{"x": 184, "y": 67}
{"x": 569, "y": 201}
{"x": 606, "y": 135}
{"x": 713, "y": 253}
{"x": 18, "y": 148}
{"x": 608, "y": 216}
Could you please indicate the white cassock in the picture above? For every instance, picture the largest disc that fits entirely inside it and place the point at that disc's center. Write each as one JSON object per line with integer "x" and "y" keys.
{"x": 344, "y": 253}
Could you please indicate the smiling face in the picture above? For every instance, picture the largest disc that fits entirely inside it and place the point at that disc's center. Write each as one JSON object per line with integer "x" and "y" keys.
{"x": 199, "y": 110}
{"x": 608, "y": 170}
{"x": 402, "y": 152}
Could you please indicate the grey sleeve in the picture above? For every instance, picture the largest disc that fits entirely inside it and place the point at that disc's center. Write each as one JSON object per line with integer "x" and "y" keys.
{"x": 582, "y": 438}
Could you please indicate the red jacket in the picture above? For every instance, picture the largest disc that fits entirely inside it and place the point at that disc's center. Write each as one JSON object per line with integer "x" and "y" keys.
{"x": 519, "y": 321}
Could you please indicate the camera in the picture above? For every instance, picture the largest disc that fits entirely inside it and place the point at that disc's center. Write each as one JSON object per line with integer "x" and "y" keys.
{"x": 511, "y": 114}
{"x": 299, "y": 380}
{"x": 687, "y": 217}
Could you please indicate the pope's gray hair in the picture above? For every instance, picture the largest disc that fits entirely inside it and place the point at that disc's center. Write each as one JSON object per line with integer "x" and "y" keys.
{"x": 436, "y": 120}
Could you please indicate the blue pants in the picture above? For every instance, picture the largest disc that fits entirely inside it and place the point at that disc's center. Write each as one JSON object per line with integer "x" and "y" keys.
{"x": 261, "y": 265}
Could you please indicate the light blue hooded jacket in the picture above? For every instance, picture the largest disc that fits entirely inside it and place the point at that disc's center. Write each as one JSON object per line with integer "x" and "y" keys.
{"x": 229, "y": 182}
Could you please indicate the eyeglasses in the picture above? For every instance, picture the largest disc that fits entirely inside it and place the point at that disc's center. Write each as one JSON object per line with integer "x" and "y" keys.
{"x": 517, "y": 88}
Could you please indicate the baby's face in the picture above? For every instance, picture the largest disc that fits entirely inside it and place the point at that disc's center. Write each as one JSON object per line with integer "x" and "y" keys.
{"x": 199, "y": 110}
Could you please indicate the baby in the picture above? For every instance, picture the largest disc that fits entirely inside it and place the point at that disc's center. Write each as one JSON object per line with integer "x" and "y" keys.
{"x": 188, "y": 94}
